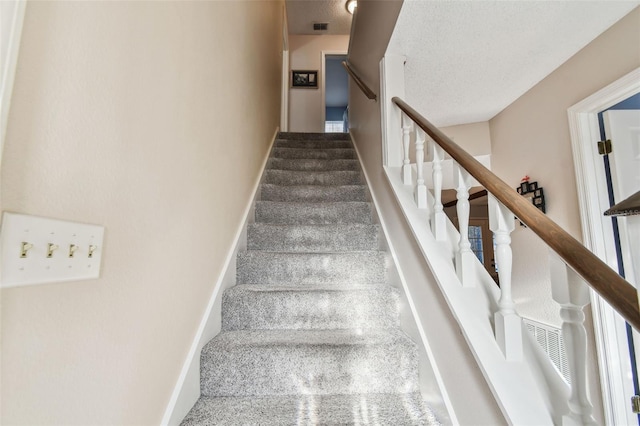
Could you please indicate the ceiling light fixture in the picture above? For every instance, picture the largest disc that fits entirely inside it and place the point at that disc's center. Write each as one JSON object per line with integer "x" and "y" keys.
{"x": 351, "y": 6}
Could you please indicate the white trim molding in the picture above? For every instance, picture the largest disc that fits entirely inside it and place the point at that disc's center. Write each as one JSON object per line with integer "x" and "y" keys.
{"x": 610, "y": 328}
{"x": 284, "y": 101}
{"x": 10, "y": 38}
{"x": 391, "y": 85}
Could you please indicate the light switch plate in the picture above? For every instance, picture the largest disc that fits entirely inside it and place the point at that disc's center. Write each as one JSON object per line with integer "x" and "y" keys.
{"x": 35, "y": 267}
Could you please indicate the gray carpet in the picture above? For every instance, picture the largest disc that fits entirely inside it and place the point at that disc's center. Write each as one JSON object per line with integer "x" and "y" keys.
{"x": 310, "y": 335}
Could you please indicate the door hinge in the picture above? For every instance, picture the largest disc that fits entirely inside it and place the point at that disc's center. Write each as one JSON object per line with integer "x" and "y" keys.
{"x": 635, "y": 404}
{"x": 604, "y": 147}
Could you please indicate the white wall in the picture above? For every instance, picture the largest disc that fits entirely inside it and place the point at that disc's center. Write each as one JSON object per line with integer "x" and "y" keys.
{"x": 150, "y": 119}
{"x": 470, "y": 396}
{"x": 305, "y": 105}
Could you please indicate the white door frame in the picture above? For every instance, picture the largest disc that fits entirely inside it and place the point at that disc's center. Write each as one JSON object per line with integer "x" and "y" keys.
{"x": 284, "y": 96}
{"x": 323, "y": 87}
{"x": 10, "y": 37}
{"x": 609, "y": 328}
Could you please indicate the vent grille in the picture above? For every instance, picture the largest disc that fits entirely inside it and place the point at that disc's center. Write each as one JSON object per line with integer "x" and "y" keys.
{"x": 320, "y": 26}
{"x": 550, "y": 340}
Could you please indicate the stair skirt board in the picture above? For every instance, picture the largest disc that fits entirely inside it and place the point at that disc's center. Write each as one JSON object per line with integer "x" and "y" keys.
{"x": 311, "y": 332}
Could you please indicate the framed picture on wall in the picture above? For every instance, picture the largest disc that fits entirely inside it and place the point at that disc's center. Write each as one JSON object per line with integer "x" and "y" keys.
{"x": 304, "y": 79}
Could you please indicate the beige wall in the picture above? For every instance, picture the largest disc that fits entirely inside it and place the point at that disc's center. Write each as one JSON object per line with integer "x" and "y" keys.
{"x": 306, "y": 105}
{"x": 150, "y": 119}
{"x": 475, "y": 138}
{"x": 531, "y": 137}
{"x": 471, "y": 398}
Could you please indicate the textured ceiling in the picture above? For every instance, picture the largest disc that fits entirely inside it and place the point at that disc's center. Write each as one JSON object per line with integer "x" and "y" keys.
{"x": 302, "y": 14}
{"x": 468, "y": 60}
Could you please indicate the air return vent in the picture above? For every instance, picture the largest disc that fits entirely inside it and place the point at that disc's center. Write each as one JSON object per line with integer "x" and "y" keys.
{"x": 320, "y": 26}
{"x": 551, "y": 341}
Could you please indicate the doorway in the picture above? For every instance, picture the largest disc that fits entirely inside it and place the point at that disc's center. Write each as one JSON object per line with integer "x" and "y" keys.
{"x": 335, "y": 96}
{"x": 612, "y": 344}
{"x": 620, "y": 124}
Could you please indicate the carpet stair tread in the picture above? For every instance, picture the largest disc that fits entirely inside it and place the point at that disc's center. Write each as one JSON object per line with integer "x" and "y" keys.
{"x": 265, "y": 267}
{"x": 314, "y": 193}
{"x": 319, "y": 154}
{"x": 398, "y": 409}
{"x": 312, "y": 238}
{"x": 312, "y": 164}
{"x": 275, "y": 307}
{"x": 301, "y": 177}
{"x": 295, "y": 213}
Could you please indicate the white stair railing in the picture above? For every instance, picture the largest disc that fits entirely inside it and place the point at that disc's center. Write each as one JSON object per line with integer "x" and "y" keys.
{"x": 572, "y": 294}
{"x": 569, "y": 289}
{"x": 465, "y": 258}
{"x": 508, "y": 322}
{"x": 421, "y": 188}
{"x": 439, "y": 218}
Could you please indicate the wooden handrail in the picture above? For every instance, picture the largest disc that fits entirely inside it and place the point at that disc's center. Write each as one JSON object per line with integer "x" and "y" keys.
{"x": 361, "y": 84}
{"x": 605, "y": 281}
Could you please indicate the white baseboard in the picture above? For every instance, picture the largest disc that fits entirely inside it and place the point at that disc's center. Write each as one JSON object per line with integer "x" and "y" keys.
{"x": 187, "y": 389}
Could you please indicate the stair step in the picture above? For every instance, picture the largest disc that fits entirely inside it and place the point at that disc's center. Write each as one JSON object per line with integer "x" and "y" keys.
{"x": 313, "y": 213}
{"x": 313, "y": 144}
{"x": 280, "y": 307}
{"x": 311, "y": 332}
{"x": 307, "y": 164}
{"x": 326, "y": 178}
{"x": 352, "y": 268}
{"x": 398, "y": 409}
{"x": 314, "y": 136}
{"x": 312, "y": 238}
{"x": 276, "y": 362}
{"x": 314, "y": 193}
{"x": 320, "y": 154}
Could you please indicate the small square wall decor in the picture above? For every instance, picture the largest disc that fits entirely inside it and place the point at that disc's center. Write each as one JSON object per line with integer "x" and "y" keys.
{"x": 304, "y": 79}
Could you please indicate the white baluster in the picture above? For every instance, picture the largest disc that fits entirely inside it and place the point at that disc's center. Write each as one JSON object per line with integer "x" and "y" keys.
{"x": 508, "y": 323}
{"x": 572, "y": 294}
{"x": 464, "y": 256}
{"x": 421, "y": 188}
{"x": 439, "y": 219}
{"x": 407, "y": 125}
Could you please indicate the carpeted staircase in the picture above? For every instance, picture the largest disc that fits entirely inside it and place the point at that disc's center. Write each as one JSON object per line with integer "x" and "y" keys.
{"x": 310, "y": 334}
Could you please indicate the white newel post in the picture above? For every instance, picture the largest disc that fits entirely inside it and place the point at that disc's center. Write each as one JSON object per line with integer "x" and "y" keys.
{"x": 407, "y": 124}
{"x": 464, "y": 256}
{"x": 508, "y": 323}
{"x": 391, "y": 84}
{"x": 572, "y": 294}
{"x": 421, "y": 188}
{"x": 439, "y": 220}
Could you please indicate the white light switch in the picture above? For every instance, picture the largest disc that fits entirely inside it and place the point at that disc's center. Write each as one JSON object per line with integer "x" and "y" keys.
{"x": 38, "y": 250}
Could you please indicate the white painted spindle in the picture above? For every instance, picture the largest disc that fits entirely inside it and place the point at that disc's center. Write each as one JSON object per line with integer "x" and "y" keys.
{"x": 507, "y": 322}
{"x": 421, "y": 188}
{"x": 439, "y": 219}
{"x": 572, "y": 294}
{"x": 464, "y": 255}
{"x": 407, "y": 124}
